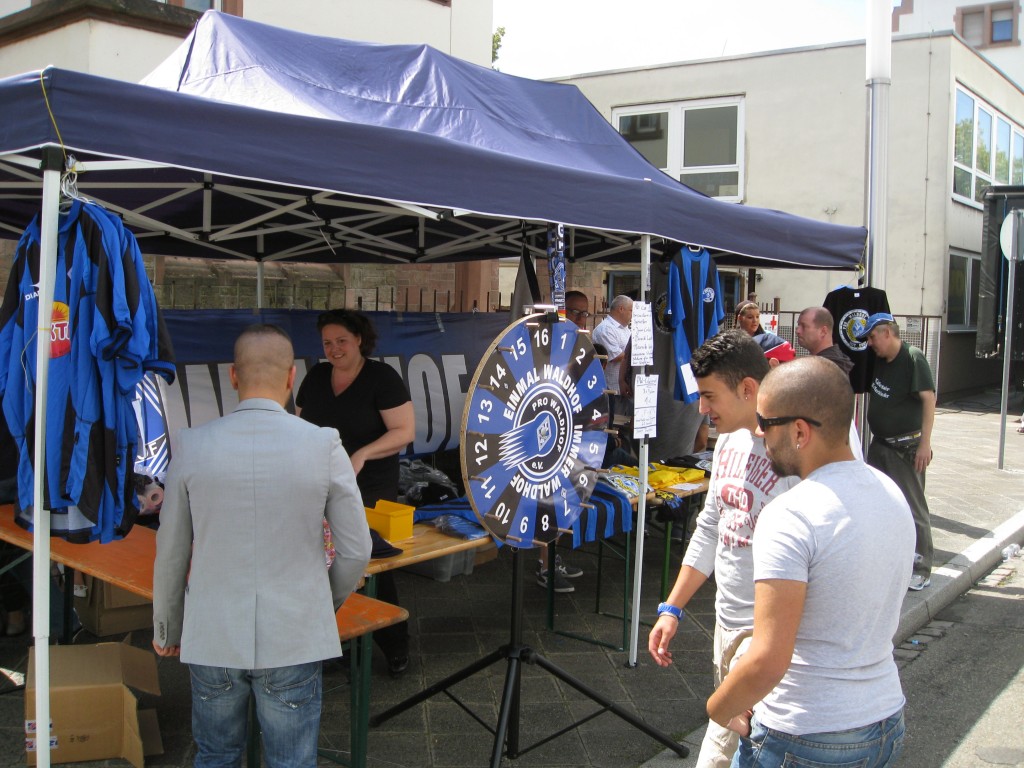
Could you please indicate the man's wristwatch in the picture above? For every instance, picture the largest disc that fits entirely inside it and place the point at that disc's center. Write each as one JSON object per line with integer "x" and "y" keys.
{"x": 670, "y": 609}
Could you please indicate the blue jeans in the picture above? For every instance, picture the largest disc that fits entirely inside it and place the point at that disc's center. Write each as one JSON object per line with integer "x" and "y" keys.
{"x": 287, "y": 704}
{"x": 873, "y": 746}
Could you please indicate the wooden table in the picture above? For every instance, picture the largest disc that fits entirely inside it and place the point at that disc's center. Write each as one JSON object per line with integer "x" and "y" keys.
{"x": 128, "y": 563}
{"x": 426, "y": 543}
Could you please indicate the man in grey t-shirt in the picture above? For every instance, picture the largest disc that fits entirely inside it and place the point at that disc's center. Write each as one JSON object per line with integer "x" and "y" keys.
{"x": 819, "y": 673}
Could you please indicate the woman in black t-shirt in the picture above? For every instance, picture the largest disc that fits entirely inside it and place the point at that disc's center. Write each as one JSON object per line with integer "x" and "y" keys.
{"x": 369, "y": 405}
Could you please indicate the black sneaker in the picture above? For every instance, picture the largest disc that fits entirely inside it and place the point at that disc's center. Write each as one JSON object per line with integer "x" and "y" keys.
{"x": 566, "y": 569}
{"x": 397, "y": 665}
{"x": 561, "y": 583}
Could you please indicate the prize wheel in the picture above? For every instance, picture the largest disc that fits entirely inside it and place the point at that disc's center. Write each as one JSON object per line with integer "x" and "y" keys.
{"x": 533, "y": 430}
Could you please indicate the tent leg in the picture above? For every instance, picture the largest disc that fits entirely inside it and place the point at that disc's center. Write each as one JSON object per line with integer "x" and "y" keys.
{"x": 53, "y": 164}
{"x": 641, "y": 516}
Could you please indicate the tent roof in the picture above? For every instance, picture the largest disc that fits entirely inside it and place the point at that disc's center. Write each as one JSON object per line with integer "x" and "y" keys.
{"x": 273, "y": 144}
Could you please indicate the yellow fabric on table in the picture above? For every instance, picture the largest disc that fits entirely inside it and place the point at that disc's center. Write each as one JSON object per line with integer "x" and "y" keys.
{"x": 659, "y": 476}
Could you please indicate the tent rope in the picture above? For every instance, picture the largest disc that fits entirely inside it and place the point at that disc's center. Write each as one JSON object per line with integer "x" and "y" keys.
{"x": 53, "y": 119}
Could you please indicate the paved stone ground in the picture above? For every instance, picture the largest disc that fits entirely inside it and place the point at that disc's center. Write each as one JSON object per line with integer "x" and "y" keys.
{"x": 457, "y": 622}
{"x": 963, "y": 675}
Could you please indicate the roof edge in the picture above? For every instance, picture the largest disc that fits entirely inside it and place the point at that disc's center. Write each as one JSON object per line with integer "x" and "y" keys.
{"x": 748, "y": 55}
{"x": 54, "y": 14}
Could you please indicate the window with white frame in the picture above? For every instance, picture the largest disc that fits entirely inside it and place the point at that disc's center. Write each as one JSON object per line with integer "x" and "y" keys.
{"x": 699, "y": 142}
{"x": 962, "y": 290}
{"x": 988, "y": 148}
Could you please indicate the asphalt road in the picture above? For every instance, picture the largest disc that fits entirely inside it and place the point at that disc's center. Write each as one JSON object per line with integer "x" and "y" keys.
{"x": 963, "y": 676}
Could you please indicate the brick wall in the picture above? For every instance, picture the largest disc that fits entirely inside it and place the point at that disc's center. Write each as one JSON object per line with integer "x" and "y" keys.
{"x": 182, "y": 283}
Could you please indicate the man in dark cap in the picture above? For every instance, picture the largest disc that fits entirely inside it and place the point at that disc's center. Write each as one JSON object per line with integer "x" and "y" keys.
{"x": 901, "y": 413}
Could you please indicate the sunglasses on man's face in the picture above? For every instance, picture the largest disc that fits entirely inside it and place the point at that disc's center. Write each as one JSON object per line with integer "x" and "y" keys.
{"x": 578, "y": 313}
{"x": 776, "y": 421}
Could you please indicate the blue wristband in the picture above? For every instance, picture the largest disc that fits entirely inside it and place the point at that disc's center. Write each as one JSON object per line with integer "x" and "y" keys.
{"x": 671, "y": 610}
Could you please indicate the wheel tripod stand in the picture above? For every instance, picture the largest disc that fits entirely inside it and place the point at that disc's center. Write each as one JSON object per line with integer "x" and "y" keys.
{"x": 516, "y": 653}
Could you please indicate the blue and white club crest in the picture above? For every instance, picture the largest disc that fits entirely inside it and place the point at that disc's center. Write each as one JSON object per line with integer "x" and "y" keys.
{"x": 534, "y": 430}
{"x": 851, "y": 325}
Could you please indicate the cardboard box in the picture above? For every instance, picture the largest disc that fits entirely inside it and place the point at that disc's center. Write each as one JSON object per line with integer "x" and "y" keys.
{"x": 485, "y": 554}
{"x": 109, "y": 610}
{"x": 392, "y": 521}
{"x": 94, "y": 713}
{"x": 443, "y": 568}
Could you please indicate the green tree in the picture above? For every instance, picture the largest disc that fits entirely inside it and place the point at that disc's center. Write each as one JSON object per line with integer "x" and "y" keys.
{"x": 496, "y": 43}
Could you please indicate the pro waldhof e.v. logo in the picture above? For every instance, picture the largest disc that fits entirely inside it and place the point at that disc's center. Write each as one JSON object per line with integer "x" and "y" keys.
{"x": 533, "y": 430}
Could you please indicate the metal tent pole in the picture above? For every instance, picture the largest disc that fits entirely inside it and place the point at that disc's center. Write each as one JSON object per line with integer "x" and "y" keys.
{"x": 641, "y": 509}
{"x": 52, "y": 166}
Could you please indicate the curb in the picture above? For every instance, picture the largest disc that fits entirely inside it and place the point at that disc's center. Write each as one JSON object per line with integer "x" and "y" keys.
{"x": 919, "y": 608}
{"x": 957, "y": 576}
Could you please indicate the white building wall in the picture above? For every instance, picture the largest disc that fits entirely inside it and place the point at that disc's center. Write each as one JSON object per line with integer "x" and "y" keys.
{"x": 95, "y": 47}
{"x": 920, "y": 175}
{"x": 13, "y": 6}
{"x": 805, "y": 134}
{"x": 129, "y": 53}
{"x": 805, "y": 140}
{"x": 805, "y": 128}
{"x": 463, "y": 29}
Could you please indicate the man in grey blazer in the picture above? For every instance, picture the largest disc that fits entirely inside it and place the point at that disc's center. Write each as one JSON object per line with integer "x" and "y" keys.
{"x": 241, "y": 589}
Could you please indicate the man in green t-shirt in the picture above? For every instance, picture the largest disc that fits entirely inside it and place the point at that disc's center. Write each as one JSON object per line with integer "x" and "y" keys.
{"x": 901, "y": 413}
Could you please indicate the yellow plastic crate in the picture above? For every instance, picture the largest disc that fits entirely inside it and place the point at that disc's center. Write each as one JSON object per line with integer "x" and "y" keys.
{"x": 392, "y": 521}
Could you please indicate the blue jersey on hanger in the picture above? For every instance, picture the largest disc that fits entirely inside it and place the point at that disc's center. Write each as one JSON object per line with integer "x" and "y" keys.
{"x": 19, "y": 319}
{"x": 100, "y": 345}
{"x": 694, "y": 310}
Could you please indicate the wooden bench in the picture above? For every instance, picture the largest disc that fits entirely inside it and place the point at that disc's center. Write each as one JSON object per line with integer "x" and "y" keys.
{"x": 128, "y": 563}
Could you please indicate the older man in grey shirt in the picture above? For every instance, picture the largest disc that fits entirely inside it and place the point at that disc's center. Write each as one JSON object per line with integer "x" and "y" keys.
{"x": 613, "y": 334}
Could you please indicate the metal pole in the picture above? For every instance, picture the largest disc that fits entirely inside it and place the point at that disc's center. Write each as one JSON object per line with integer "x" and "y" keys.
{"x": 877, "y": 183}
{"x": 878, "y": 68}
{"x": 41, "y": 517}
{"x": 1013, "y": 257}
{"x": 641, "y": 507}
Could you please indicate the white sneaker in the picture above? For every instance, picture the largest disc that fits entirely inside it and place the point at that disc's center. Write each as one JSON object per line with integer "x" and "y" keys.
{"x": 918, "y": 582}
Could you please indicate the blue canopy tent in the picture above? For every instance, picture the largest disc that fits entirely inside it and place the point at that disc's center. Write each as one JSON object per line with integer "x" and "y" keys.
{"x": 275, "y": 145}
{"x": 263, "y": 144}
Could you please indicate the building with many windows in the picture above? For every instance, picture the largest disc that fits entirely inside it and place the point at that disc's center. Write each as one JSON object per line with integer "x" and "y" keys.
{"x": 788, "y": 130}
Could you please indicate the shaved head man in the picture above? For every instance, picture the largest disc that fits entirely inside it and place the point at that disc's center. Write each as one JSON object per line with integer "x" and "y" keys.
{"x": 240, "y": 562}
{"x": 264, "y": 364}
{"x": 829, "y": 554}
{"x": 814, "y": 328}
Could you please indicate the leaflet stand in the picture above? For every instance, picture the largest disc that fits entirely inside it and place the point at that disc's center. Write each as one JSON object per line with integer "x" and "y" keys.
{"x": 516, "y": 653}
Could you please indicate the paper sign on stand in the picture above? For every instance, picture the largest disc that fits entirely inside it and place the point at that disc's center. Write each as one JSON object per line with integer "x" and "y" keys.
{"x": 642, "y": 335}
{"x": 645, "y": 406}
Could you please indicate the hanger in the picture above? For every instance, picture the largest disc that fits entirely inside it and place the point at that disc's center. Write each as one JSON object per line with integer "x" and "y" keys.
{"x": 69, "y": 185}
